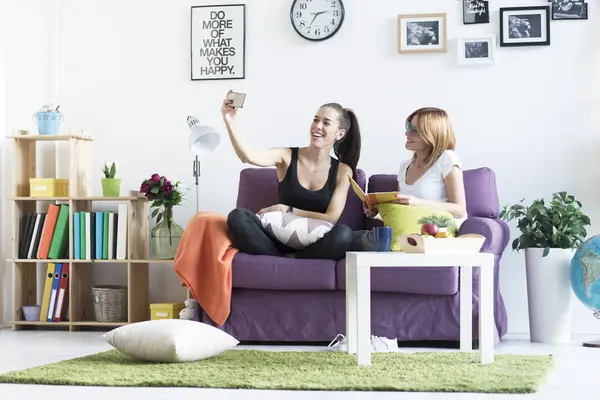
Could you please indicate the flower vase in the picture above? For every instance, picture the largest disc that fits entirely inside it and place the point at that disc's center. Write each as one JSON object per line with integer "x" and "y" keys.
{"x": 165, "y": 237}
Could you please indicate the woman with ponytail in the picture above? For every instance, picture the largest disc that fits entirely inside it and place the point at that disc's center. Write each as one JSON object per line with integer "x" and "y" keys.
{"x": 312, "y": 183}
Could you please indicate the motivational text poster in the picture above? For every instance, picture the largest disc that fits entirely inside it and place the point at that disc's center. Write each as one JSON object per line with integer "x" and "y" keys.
{"x": 217, "y": 40}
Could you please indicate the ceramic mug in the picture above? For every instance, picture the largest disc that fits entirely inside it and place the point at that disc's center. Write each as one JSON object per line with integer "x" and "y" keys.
{"x": 381, "y": 237}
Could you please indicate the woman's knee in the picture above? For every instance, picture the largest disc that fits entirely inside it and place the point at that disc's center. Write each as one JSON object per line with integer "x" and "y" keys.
{"x": 343, "y": 236}
{"x": 237, "y": 218}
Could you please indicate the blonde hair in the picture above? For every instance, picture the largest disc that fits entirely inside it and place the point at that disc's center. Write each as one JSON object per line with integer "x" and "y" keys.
{"x": 434, "y": 126}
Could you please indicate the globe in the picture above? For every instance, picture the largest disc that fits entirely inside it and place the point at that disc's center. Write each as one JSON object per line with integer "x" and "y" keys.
{"x": 585, "y": 274}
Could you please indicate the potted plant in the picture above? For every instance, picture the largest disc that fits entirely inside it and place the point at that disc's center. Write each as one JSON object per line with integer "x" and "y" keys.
{"x": 550, "y": 235}
{"x": 111, "y": 186}
{"x": 164, "y": 195}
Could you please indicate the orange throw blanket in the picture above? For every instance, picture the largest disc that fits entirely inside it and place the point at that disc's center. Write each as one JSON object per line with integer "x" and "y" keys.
{"x": 203, "y": 262}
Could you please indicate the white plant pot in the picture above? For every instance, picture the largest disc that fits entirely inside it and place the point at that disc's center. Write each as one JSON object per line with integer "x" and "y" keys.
{"x": 549, "y": 295}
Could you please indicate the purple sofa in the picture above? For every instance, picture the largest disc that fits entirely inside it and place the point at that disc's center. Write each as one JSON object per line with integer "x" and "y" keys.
{"x": 286, "y": 299}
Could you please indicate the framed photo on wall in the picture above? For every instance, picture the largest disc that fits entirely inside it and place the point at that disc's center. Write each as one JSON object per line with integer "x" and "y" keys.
{"x": 218, "y": 42}
{"x": 422, "y": 33}
{"x": 524, "y": 26}
{"x": 569, "y": 9}
{"x": 477, "y": 50}
{"x": 476, "y": 12}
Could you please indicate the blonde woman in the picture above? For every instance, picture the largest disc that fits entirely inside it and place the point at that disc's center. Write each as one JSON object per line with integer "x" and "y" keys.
{"x": 433, "y": 176}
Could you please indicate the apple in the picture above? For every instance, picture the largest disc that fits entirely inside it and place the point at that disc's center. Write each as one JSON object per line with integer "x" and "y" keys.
{"x": 429, "y": 229}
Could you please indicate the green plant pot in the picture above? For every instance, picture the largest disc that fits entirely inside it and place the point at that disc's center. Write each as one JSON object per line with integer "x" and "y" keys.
{"x": 111, "y": 187}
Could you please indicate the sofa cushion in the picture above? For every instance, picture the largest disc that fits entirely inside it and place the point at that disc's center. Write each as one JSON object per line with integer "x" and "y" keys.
{"x": 415, "y": 280}
{"x": 481, "y": 193}
{"x": 282, "y": 273}
{"x": 258, "y": 189}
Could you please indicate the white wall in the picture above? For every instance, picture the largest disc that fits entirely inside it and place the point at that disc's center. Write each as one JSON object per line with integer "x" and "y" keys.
{"x": 124, "y": 75}
{"x": 4, "y": 292}
{"x": 28, "y": 74}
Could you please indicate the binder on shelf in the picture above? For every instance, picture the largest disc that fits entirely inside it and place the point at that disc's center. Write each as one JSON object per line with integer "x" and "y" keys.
{"x": 33, "y": 251}
{"x": 105, "y": 218}
{"x": 48, "y": 231}
{"x": 76, "y": 242}
{"x": 88, "y": 236}
{"x": 99, "y": 235}
{"x": 54, "y": 292}
{"x": 121, "y": 243}
{"x": 47, "y": 292}
{"x": 59, "y": 243}
{"x": 29, "y": 221}
{"x": 60, "y": 313}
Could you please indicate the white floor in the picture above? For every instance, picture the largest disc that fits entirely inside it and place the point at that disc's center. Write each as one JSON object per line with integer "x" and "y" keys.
{"x": 573, "y": 377}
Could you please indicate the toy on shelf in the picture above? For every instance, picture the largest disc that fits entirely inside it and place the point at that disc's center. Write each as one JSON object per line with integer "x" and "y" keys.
{"x": 190, "y": 312}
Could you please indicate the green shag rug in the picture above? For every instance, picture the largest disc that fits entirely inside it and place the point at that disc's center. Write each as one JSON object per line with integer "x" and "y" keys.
{"x": 292, "y": 370}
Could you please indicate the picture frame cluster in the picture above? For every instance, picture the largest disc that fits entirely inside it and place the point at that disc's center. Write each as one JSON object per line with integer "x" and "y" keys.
{"x": 519, "y": 26}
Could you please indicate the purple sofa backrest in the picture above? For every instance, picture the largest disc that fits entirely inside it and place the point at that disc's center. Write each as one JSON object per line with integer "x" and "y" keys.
{"x": 480, "y": 190}
{"x": 258, "y": 189}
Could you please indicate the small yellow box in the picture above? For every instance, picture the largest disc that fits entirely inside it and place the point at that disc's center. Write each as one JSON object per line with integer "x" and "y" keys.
{"x": 165, "y": 310}
{"x": 48, "y": 187}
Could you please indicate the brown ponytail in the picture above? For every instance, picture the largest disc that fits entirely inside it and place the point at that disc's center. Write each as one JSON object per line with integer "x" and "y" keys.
{"x": 347, "y": 149}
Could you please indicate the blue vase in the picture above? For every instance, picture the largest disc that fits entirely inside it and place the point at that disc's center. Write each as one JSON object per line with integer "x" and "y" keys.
{"x": 48, "y": 122}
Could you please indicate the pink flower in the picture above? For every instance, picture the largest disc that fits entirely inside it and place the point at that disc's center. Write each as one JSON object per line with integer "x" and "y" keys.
{"x": 167, "y": 188}
{"x": 155, "y": 178}
{"x": 144, "y": 188}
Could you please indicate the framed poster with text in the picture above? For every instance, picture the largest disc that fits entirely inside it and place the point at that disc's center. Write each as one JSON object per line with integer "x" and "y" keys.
{"x": 218, "y": 42}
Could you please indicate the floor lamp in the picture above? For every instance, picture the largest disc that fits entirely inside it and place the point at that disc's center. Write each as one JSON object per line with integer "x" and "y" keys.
{"x": 203, "y": 140}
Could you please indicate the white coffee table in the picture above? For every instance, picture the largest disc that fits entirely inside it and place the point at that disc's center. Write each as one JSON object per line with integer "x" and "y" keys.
{"x": 358, "y": 296}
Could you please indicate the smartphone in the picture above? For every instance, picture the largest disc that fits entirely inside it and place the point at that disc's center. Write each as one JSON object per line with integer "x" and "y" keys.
{"x": 237, "y": 99}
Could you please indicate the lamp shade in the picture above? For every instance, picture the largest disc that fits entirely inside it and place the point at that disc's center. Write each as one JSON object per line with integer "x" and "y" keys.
{"x": 203, "y": 139}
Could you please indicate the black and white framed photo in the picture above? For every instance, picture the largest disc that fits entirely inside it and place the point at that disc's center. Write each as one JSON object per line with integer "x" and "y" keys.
{"x": 524, "y": 26}
{"x": 218, "y": 42}
{"x": 476, "y": 12}
{"x": 477, "y": 50}
{"x": 422, "y": 33}
{"x": 569, "y": 9}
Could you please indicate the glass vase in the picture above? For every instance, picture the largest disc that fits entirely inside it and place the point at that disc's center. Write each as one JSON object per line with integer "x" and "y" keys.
{"x": 165, "y": 236}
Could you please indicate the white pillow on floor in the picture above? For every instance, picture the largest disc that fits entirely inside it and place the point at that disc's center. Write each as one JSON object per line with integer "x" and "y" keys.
{"x": 170, "y": 340}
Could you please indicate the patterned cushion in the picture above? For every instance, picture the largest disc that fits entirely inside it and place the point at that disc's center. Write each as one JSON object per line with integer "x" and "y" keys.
{"x": 292, "y": 230}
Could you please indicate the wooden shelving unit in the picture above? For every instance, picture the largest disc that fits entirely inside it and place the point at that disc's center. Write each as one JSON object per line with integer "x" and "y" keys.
{"x": 24, "y": 279}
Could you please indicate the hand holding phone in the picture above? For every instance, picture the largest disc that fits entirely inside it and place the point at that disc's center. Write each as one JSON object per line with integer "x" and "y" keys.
{"x": 237, "y": 99}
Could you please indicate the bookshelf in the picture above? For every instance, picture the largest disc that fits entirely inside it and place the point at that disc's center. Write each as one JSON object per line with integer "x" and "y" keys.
{"x": 80, "y": 312}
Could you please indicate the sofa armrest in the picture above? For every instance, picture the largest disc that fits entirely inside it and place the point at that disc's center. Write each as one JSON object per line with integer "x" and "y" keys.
{"x": 495, "y": 230}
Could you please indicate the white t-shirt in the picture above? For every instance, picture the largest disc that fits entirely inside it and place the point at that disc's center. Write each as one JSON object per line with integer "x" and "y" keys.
{"x": 431, "y": 185}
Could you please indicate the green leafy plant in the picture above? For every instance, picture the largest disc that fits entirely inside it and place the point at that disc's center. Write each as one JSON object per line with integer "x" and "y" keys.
{"x": 558, "y": 224}
{"x": 442, "y": 221}
{"x": 109, "y": 172}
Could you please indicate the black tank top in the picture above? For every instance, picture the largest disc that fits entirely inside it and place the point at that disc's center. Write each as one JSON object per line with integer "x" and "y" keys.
{"x": 292, "y": 193}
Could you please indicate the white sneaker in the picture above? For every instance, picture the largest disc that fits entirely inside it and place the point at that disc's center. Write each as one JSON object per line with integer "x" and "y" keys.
{"x": 378, "y": 344}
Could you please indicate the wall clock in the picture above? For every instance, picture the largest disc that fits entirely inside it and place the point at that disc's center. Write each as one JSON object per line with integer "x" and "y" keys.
{"x": 317, "y": 19}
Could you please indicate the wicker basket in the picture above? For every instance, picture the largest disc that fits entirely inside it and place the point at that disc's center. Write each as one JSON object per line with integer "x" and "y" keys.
{"x": 110, "y": 303}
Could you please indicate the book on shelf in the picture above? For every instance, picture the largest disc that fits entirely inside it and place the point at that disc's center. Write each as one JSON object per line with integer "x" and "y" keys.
{"x": 55, "y": 299}
{"x": 100, "y": 235}
{"x": 45, "y": 235}
{"x": 97, "y": 235}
